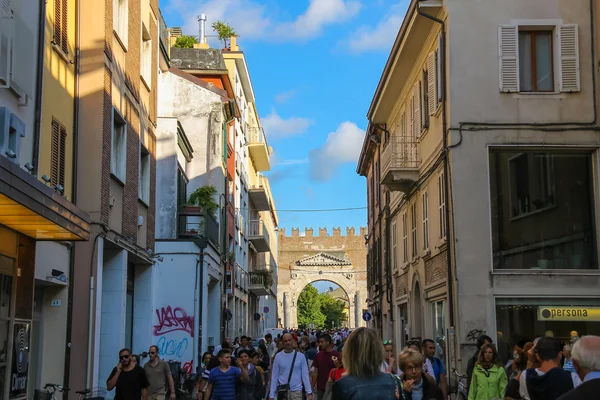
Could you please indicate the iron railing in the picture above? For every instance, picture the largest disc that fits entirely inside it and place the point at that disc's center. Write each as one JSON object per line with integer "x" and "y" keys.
{"x": 402, "y": 152}
{"x": 256, "y": 228}
{"x": 163, "y": 31}
{"x": 262, "y": 182}
{"x": 196, "y": 223}
{"x": 260, "y": 279}
{"x": 256, "y": 135}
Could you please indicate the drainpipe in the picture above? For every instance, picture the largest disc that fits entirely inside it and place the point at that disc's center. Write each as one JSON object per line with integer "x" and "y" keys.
{"x": 67, "y": 371}
{"x": 37, "y": 126}
{"x": 202, "y": 28}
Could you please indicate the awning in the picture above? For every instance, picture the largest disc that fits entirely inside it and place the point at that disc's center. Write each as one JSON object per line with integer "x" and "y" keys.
{"x": 36, "y": 210}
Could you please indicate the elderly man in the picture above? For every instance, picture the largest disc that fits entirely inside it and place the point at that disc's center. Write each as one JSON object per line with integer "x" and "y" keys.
{"x": 586, "y": 360}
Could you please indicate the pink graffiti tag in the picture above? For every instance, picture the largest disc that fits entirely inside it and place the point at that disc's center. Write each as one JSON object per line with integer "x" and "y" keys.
{"x": 173, "y": 320}
{"x": 188, "y": 367}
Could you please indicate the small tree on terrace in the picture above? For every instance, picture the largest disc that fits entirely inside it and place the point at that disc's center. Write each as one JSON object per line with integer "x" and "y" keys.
{"x": 185, "y": 42}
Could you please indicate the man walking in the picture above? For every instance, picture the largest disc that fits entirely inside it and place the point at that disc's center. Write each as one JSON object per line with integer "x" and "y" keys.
{"x": 436, "y": 365}
{"x": 586, "y": 360}
{"x": 223, "y": 379}
{"x": 549, "y": 381}
{"x": 323, "y": 364}
{"x": 245, "y": 344}
{"x": 271, "y": 346}
{"x": 129, "y": 379}
{"x": 158, "y": 374}
{"x": 290, "y": 368}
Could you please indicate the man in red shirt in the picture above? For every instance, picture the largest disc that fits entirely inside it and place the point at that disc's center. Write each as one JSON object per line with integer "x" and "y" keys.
{"x": 322, "y": 365}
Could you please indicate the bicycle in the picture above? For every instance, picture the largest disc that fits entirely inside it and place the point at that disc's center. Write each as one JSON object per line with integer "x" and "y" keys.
{"x": 90, "y": 394}
{"x": 460, "y": 389}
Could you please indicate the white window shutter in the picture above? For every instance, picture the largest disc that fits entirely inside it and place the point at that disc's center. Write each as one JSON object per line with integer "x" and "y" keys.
{"x": 569, "y": 58}
{"x": 413, "y": 131}
{"x": 508, "y": 51}
{"x": 417, "y": 110}
{"x": 432, "y": 83}
{"x": 439, "y": 60}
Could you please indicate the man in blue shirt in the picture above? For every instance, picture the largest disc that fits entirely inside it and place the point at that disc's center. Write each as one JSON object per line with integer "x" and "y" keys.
{"x": 586, "y": 360}
{"x": 222, "y": 380}
{"x": 439, "y": 372}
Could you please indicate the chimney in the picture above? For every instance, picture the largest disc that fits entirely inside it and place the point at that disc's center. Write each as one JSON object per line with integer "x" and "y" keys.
{"x": 202, "y": 32}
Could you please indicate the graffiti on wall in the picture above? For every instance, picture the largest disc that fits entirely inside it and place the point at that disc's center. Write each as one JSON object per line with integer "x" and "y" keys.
{"x": 173, "y": 320}
{"x": 174, "y": 329}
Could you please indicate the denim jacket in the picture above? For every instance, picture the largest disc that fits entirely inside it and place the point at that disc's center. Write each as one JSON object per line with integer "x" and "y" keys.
{"x": 380, "y": 387}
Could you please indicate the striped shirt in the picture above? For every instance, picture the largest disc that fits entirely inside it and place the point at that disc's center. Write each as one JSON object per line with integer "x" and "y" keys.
{"x": 223, "y": 383}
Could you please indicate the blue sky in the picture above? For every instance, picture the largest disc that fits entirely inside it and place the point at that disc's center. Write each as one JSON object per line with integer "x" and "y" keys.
{"x": 314, "y": 66}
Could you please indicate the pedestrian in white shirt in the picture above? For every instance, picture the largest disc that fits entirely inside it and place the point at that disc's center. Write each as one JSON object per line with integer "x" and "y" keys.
{"x": 299, "y": 371}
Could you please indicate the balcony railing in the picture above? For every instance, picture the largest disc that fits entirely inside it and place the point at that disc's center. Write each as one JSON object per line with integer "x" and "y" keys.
{"x": 214, "y": 42}
{"x": 259, "y": 236}
{"x": 256, "y": 135}
{"x": 400, "y": 163}
{"x": 196, "y": 223}
{"x": 260, "y": 282}
{"x": 260, "y": 194}
{"x": 259, "y": 149}
{"x": 163, "y": 31}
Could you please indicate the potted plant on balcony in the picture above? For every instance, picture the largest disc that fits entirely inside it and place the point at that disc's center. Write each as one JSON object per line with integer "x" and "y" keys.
{"x": 231, "y": 257}
{"x": 225, "y": 32}
{"x": 200, "y": 201}
{"x": 267, "y": 277}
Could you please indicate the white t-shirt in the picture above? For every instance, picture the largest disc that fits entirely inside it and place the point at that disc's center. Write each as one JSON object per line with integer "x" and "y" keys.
{"x": 523, "y": 383}
{"x": 281, "y": 372}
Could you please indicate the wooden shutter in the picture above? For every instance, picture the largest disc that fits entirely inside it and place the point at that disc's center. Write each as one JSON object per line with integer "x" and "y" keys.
{"x": 57, "y": 22}
{"x": 55, "y": 153}
{"x": 61, "y": 159}
{"x": 412, "y": 133}
{"x": 439, "y": 60}
{"x": 417, "y": 109}
{"x": 569, "y": 58}
{"x": 432, "y": 83}
{"x": 508, "y": 39}
{"x": 64, "y": 33}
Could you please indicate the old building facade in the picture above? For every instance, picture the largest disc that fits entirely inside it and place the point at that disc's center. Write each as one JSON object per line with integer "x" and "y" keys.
{"x": 307, "y": 258}
{"x": 483, "y": 236}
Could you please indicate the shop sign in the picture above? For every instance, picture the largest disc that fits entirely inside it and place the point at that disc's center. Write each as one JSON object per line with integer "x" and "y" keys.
{"x": 20, "y": 361}
{"x": 568, "y": 313}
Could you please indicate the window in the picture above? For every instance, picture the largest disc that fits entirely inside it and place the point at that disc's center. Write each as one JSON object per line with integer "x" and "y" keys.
{"x": 413, "y": 217}
{"x": 532, "y": 187}
{"x": 536, "y": 72}
{"x": 118, "y": 153}
{"x": 425, "y": 100}
{"x": 61, "y": 20}
{"x": 431, "y": 79}
{"x": 542, "y": 209}
{"x": 146, "y": 59}
{"x": 120, "y": 19}
{"x": 394, "y": 247}
{"x": 58, "y": 155}
{"x": 531, "y": 61}
{"x": 144, "y": 176}
{"x": 442, "y": 205}
{"x": 415, "y": 107}
{"x": 404, "y": 238}
{"x": 425, "y": 205}
{"x": 12, "y": 130}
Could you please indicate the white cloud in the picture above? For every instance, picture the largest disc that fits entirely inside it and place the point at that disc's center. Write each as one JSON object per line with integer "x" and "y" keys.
{"x": 341, "y": 147}
{"x": 285, "y": 96}
{"x": 277, "y": 127}
{"x": 381, "y": 36}
{"x": 252, "y": 20}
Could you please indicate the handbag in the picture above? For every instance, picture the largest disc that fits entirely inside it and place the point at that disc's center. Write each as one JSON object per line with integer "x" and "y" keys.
{"x": 329, "y": 388}
{"x": 283, "y": 391}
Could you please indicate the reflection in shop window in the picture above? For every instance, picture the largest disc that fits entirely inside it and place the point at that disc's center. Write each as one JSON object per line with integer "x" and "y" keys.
{"x": 542, "y": 209}
{"x": 519, "y": 321}
{"x": 439, "y": 329}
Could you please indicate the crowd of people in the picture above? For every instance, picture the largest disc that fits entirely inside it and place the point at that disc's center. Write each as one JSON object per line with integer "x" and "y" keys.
{"x": 357, "y": 365}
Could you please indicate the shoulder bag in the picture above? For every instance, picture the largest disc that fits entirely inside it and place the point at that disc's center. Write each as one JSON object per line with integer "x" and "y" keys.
{"x": 283, "y": 391}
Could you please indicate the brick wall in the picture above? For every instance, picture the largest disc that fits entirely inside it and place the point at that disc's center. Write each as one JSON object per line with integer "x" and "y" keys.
{"x": 152, "y": 206}
{"x": 130, "y": 191}
{"x": 106, "y": 145}
{"x": 108, "y": 27}
{"x": 154, "y": 79}
{"x": 132, "y": 59}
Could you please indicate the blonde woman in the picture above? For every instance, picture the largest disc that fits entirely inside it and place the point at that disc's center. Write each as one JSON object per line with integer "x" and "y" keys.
{"x": 362, "y": 358}
{"x": 416, "y": 384}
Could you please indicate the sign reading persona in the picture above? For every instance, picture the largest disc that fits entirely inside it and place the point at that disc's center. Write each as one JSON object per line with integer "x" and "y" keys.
{"x": 568, "y": 313}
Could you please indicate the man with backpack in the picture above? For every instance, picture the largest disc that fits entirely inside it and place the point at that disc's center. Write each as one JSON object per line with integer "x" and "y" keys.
{"x": 435, "y": 367}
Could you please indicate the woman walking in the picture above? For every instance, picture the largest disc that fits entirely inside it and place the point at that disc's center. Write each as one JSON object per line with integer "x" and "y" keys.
{"x": 489, "y": 378}
{"x": 362, "y": 358}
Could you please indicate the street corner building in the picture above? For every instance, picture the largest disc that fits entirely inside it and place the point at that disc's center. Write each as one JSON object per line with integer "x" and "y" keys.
{"x": 481, "y": 165}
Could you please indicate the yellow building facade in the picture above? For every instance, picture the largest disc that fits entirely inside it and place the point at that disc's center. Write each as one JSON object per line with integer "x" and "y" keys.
{"x": 58, "y": 106}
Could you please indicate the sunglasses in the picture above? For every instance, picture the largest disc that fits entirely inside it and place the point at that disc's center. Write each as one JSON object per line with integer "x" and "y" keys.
{"x": 123, "y": 357}
{"x": 386, "y": 342}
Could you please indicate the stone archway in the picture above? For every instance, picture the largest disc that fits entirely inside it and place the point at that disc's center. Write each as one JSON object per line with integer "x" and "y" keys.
{"x": 322, "y": 267}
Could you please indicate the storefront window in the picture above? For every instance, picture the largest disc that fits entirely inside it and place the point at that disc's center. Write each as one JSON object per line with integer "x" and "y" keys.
{"x": 522, "y": 320}
{"x": 542, "y": 209}
{"x": 6, "y": 291}
{"x": 439, "y": 329}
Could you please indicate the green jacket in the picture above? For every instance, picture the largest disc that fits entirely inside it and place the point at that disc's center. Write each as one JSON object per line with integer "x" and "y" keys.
{"x": 486, "y": 385}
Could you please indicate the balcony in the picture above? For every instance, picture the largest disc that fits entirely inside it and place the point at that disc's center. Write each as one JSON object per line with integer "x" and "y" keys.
{"x": 195, "y": 223}
{"x": 260, "y": 194}
{"x": 259, "y": 236}
{"x": 260, "y": 282}
{"x": 400, "y": 163}
{"x": 259, "y": 150}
